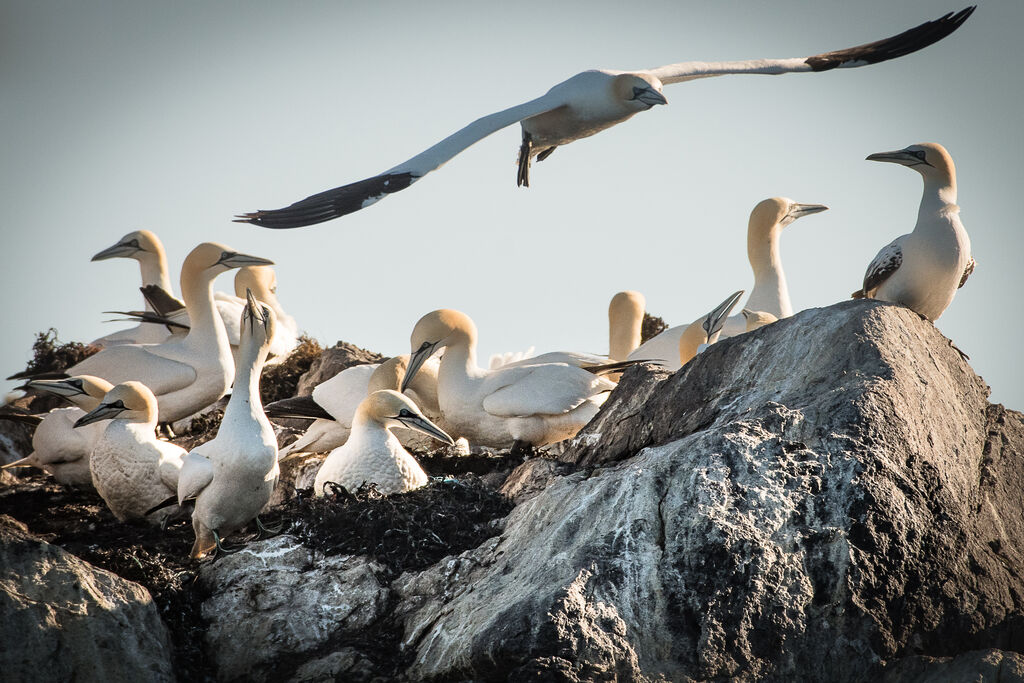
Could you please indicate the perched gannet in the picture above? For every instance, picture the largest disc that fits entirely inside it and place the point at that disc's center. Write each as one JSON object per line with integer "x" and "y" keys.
{"x": 770, "y": 293}
{"x": 923, "y": 269}
{"x": 757, "y": 319}
{"x": 674, "y": 347}
{"x": 625, "y": 321}
{"x": 185, "y": 373}
{"x": 232, "y": 476}
{"x": 581, "y": 106}
{"x": 373, "y": 454}
{"x": 57, "y": 447}
{"x": 528, "y": 403}
{"x": 333, "y": 402}
{"x": 146, "y": 248}
{"x": 131, "y": 469}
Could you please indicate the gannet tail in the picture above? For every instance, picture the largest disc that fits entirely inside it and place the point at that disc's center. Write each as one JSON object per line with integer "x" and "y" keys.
{"x": 299, "y": 406}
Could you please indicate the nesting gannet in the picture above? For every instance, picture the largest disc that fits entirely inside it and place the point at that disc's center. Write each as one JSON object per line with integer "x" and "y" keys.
{"x": 185, "y": 373}
{"x": 923, "y": 269}
{"x": 675, "y": 346}
{"x": 757, "y": 319}
{"x": 581, "y": 106}
{"x": 131, "y": 469}
{"x": 232, "y": 476}
{"x": 57, "y": 447}
{"x": 373, "y": 454}
{"x": 770, "y": 293}
{"x": 146, "y": 248}
{"x": 529, "y": 403}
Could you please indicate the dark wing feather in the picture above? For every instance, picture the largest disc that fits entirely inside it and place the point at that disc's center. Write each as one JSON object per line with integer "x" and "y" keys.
{"x": 967, "y": 273}
{"x": 162, "y": 301}
{"x": 299, "y": 406}
{"x": 881, "y": 268}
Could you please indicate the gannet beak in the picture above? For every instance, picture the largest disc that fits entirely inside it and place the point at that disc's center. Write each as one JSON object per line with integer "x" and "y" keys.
{"x": 17, "y": 463}
{"x": 416, "y": 361}
{"x": 103, "y": 411}
{"x": 253, "y": 310}
{"x": 425, "y": 426}
{"x": 60, "y": 387}
{"x": 899, "y": 156}
{"x": 232, "y": 259}
{"x": 715, "y": 320}
{"x": 121, "y": 249}
{"x": 801, "y": 210}
{"x": 649, "y": 96}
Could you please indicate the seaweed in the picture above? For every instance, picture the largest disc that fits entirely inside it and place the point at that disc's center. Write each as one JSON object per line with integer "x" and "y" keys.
{"x": 651, "y": 327}
{"x": 280, "y": 381}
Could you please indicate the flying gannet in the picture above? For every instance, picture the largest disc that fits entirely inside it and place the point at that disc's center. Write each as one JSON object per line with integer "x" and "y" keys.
{"x": 232, "y": 476}
{"x": 770, "y": 293}
{"x": 923, "y": 269}
{"x": 579, "y": 107}
{"x": 674, "y": 347}
{"x": 146, "y": 248}
{"x": 373, "y": 454}
{"x": 57, "y": 447}
{"x": 185, "y": 373}
{"x": 131, "y": 469}
{"x": 521, "y": 404}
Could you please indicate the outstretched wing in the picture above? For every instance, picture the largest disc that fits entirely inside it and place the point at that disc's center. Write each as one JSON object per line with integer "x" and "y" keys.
{"x": 358, "y": 195}
{"x": 885, "y": 263}
{"x": 871, "y": 53}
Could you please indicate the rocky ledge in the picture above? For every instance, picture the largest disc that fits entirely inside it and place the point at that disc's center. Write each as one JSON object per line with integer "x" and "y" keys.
{"x": 829, "y": 498}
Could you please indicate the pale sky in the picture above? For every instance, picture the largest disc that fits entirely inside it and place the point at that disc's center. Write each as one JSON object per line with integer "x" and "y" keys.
{"x": 123, "y": 115}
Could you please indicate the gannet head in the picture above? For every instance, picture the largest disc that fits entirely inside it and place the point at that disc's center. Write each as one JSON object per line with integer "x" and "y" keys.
{"x": 393, "y": 409}
{"x": 638, "y": 91}
{"x": 259, "y": 323}
{"x": 434, "y": 331}
{"x": 757, "y": 319}
{"x": 704, "y": 332}
{"x": 132, "y": 245}
{"x": 778, "y": 212}
{"x": 930, "y": 159}
{"x": 626, "y": 305}
{"x": 218, "y": 258}
{"x": 71, "y": 387}
{"x": 260, "y": 279}
{"x": 389, "y": 374}
{"x": 127, "y": 401}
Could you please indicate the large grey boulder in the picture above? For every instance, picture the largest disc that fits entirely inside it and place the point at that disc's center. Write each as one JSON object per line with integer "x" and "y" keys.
{"x": 812, "y": 501}
{"x": 62, "y": 619}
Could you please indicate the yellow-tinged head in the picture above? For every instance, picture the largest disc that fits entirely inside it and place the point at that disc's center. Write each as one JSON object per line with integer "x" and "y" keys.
{"x": 930, "y": 159}
{"x": 133, "y": 245}
{"x": 638, "y": 90}
{"x": 757, "y": 319}
{"x": 260, "y": 279}
{"x": 436, "y": 330}
{"x": 392, "y": 409}
{"x": 126, "y": 401}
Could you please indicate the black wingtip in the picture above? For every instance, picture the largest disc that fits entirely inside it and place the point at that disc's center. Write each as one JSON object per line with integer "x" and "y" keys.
{"x": 26, "y": 374}
{"x": 330, "y": 204}
{"x": 899, "y": 45}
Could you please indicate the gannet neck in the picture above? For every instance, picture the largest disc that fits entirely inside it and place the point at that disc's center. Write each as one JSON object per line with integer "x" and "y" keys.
{"x": 153, "y": 268}
{"x": 770, "y": 292}
{"x": 625, "y": 321}
{"x": 939, "y": 194}
{"x": 459, "y": 359}
{"x": 197, "y": 292}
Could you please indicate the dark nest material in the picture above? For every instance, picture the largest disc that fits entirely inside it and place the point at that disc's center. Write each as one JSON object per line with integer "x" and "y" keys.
{"x": 404, "y": 532}
{"x": 49, "y": 355}
{"x": 79, "y": 522}
{"x": 281, "y": 381}
{"x": 651, "y": 327}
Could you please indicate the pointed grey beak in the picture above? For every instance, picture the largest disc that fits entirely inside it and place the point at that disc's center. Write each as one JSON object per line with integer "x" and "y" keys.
{"x": 254, "y": 311}
{"x": 801, "y": 210}
{"x": 60, "y": 387}
{"x": 716, "y": 319}
{"x": 425, "y": 426}
{"x": 900, "y": 156}
{"x": 103, "y": 411}
{"x": 17, "y": 463}
{"x": 416, "y": 361}
{"x": 119, "y": 250}
{"x": 649, "y": 96}
{"x": 232, "y": 259}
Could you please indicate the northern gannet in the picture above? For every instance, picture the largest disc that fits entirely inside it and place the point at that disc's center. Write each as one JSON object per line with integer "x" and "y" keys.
{"x": 757, "y": 319}
{"x": 373, "y": 454}
{"x": 625, "y": 321}
{"x": 132, "y": 470}
{"x": 581, "y": 106}
{"x": 923, "y": 269}
{"x": 702, "y": 333}
{"x": 185, "y": 373}
{"x": 232, "y": 476}
{"x": 674, "y": 347}
{"x": 770, "y": 293}
{"x": 57, "y": 447}
{"x": 146, "y": 248}
{"x": 521, "y": 404}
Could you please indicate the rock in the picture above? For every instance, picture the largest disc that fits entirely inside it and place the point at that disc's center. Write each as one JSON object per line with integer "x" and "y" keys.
{"x": 296, "y": 473}
{"x": 15, "y": 438}
{"x": 332, "y": 361}
{"x": 63, "y": 619}
{"x": 810, "y": 501}
{"x": 532, "y": 477}
{"x": 276, "y": 605}
{"x": 981, "y": 666}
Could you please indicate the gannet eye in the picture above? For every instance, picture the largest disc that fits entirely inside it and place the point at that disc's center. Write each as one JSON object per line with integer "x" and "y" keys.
{"x": 117, "y": 404}
{"x": 404, "y": 413}
{"x": 919, "y": 153}
{"x": 424, "y": 346}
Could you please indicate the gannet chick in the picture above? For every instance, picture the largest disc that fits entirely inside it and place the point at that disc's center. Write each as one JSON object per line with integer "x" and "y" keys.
{"x": 131, "y": 469}
{"x": 57, "y": 447}
{"x": 232, "y": 476}
{"x": 579, "y": 107}
{"x": 757, "y": 319}
{"x": 146, "y": 248}
{"x": 188, "y": 373}
{"x": 521, "y": 404}
{"x": 701, "y": 334}
{"x": 670, "y": 347}
{"x": 373, "y": 454}
{"x": 923, "y": 269}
